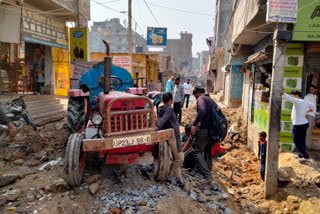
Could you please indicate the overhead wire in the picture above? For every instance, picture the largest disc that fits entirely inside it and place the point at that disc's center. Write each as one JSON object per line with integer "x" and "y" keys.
{"x": 151, "y": 13}
{"x": 179, "y": 10}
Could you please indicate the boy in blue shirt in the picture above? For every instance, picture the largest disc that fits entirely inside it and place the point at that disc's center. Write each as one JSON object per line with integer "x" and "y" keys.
{"x": 262, "y": 152}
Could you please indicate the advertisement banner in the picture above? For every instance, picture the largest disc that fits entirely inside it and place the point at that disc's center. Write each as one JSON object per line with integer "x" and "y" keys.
{"x": 80, "y": 67}
{"x": 61, "y": 70}
{"x": 293, "y": 71}
{"x": 282, "y": 11}
{"x": 37, "y": 28}
{"x": 122, "y": 61}
{"x": 156, "y": 36}
{"x": 78, "y": 44}
{"x": 307, "y": 27}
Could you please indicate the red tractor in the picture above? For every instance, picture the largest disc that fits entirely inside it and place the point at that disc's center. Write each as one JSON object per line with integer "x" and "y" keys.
{"x": 116, "y": 125}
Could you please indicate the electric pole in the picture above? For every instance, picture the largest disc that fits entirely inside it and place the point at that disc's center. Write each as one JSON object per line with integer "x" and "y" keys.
{"x": 130, "y": 34}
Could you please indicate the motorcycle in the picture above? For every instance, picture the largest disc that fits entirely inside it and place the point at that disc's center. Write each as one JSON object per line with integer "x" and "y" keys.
{"x": 17, "y": 113}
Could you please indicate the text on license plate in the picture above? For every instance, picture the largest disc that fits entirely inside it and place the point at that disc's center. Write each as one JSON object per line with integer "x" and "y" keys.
{"x": 129, "y": 141}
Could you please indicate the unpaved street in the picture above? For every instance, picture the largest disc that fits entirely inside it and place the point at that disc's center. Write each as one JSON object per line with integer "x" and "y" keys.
{"x": 32, "y": 181}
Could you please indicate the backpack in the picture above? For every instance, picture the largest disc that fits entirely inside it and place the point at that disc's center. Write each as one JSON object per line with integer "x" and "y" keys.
{"x": 219, "y": 128}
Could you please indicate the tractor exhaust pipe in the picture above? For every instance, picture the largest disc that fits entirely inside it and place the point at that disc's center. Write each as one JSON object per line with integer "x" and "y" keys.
{"x": 107, "y": 70}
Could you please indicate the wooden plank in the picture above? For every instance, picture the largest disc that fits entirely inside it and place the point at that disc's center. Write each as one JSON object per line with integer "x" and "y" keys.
{"x": 107, "y": 143}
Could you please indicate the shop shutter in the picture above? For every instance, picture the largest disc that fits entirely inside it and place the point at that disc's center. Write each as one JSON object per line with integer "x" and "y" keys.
{"x": 313, "y": 57}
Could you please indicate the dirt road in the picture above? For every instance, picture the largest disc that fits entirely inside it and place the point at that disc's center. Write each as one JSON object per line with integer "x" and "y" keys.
{"x": 32, "y": 181}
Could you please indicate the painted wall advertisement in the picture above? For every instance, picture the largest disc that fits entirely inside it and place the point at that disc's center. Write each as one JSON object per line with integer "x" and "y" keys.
{"x": 156, "y": 36}
{"x": 61, "y": 67}
{"x": 80, "y": 67}
{"x": 122, "y": 61}
{"x": 78, "y": 44}
{"x": 307, "y": 27}
{"x": 38, "y": 28}
{"x": 292, "y": 81}
{"x": 282, "y": 11}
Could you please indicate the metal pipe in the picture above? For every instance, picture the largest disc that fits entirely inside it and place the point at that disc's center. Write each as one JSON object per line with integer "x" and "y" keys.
{"x": 107, "y": 70}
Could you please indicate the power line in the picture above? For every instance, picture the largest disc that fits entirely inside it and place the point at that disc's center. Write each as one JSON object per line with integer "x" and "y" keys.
{"x": 106, "y": 2}
{"x": 179, "y": 10}
{"x": 98, "y": 3}
{"x": 151, "y": 13}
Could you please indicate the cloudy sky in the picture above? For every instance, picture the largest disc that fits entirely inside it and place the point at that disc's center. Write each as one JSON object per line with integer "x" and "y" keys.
{"x": 195, "y": 16}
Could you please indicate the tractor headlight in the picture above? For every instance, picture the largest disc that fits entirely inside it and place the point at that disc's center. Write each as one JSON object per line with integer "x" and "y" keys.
{"x": 97, "y": 119}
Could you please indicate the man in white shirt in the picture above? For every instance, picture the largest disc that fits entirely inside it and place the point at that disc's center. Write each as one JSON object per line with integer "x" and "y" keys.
{"x": 299, "y": 122}
{"x": 187, "y": 91}
{"x": 311, "y": 97}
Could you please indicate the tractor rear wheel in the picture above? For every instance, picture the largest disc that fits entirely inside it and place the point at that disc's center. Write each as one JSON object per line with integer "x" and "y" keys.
{"x": 162, "y": 161}
{"x": 74, "y": 162}
{"x": 76, "y": 114}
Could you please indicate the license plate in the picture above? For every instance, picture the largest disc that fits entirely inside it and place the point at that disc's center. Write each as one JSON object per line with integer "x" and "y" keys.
{"x": 130, "y": 141}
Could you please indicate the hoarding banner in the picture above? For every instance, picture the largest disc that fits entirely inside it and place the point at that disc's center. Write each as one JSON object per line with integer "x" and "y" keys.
{"x": 122, "y": 61}
{"x": 80, "y": 67}
{"x": 307, "y": 27}
{"x": 78, "y": 44}
{"x": 282, "y": 11}
{"x": 37, "y": 28}
{"x": 156, "y": 36}
{"x": 61, "y": 69}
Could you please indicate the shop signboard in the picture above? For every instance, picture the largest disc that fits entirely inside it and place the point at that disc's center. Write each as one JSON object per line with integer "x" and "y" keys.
{"x": 61, "y": 69}
{"x": 156, "y": 36}
{"x": 122, "y": 61}
{"x": 307, "y": 27}
{"x": 78, "y": 44}
{"x": 38, "y": 28}
{"x": 80, "y": 67}
{"x": 282, "y": 11}
{"x": 293, "y": 71}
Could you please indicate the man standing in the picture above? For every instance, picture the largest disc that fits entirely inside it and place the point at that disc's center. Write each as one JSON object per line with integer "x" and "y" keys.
{"x": 170, "y": 85}
{"x": 151, "y": 86}
{"x": 200, "y": 129}
{"x": 159, "y": 86}
{"x": 299, "y": 122}
{"x": 311, "y": 97}
{"x": 178, "y": 99}
{"x": 4, "y": 120}
{"x": 38, "y": 69}
{"x": 187, "y": 91}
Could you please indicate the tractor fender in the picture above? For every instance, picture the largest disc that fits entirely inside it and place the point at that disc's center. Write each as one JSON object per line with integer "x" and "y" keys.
{"x": 77, "y": 93}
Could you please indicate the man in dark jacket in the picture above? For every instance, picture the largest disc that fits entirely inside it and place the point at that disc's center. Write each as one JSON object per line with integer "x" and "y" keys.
{"x": 200, "y": 129}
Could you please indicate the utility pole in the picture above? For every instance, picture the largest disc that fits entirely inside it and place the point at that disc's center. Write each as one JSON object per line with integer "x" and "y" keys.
{"x": 274, "y": 128}
{"x": 130, "y": 33}
{"x": 78, "y": 13}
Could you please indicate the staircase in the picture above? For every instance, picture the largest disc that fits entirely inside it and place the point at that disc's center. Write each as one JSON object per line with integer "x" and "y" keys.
{"x": 41, "y": 106}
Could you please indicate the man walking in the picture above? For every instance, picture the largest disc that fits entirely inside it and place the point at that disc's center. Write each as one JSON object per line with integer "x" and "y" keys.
{"x": 170, "y": 85}
{"x": 311, "y": 97}
{"x": 200, "y": 129}
{"x": 159, "y": 86}
{"x": 299, "y": 122}
{"x": 187, "y": 91}
{"x": 151, "y": 86}
{"x": 178, "y": 99}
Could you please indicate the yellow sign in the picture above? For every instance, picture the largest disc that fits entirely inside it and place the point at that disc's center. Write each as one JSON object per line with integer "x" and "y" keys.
{"x": 61, "y": 67}
{"x": 78, "y": 44}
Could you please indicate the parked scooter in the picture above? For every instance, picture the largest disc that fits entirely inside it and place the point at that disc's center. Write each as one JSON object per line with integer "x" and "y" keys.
{"x": 16, "y": 112}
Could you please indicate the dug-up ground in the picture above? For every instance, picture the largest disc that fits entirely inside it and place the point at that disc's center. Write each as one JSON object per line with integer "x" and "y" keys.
{"x": 32, "y": 181}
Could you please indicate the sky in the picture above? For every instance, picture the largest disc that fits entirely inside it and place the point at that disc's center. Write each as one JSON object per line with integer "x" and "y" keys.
{"x": 201, "y": 26}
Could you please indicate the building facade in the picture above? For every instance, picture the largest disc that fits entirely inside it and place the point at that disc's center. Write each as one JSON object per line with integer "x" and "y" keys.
{"x": 116, "y": 35}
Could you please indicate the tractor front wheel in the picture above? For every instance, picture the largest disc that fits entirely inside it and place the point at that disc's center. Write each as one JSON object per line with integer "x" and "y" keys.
{"x": 76, "y": 114}
{"x": 74, "y": 162}
{"x": 162, "y": 161}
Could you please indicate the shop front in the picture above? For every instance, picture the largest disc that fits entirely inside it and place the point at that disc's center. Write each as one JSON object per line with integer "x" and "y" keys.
{"x": 36, "y": 67}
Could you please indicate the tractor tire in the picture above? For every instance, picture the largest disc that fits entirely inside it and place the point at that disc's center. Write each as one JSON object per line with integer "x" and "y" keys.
{"x": 162, "y": 161}
{"x": 76, "y": 114}
{"x": 74, "y": 162}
